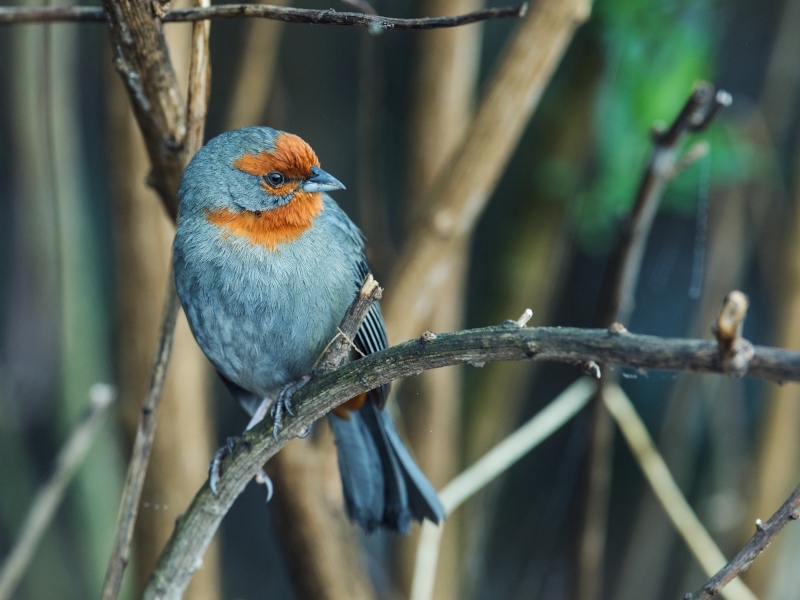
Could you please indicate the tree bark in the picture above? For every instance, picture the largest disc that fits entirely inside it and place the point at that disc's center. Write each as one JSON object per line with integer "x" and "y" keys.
{"x": 184, "y": 443}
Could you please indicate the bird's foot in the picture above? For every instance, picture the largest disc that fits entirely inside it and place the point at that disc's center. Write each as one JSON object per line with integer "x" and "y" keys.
{"x": 214, "y": 467}
{"x": 263, "y": 478}
{"x": 283, "y": 403}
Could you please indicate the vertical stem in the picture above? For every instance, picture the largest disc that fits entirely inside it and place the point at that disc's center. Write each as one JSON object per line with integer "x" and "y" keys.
{"x": 445, "y": 84}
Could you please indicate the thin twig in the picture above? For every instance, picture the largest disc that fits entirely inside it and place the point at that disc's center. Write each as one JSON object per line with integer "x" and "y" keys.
{"x": 86, "y": 14}
{"x": 516, "y": 445}
{"x": 197, "y": 526}
{"x": 140, "y": 456}
{"x": 490, "y": 466}
{"x": 622, "y": 273}
{"x": 765, "y": 532}
{"x": 615, "y": 305}
{"x": 50, "y": 495}
{"x": 733, "y": 348}
{"x": 667, "y": 491}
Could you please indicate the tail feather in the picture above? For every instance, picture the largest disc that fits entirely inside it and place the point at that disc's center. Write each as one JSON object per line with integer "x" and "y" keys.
{"x": 423, "y": 500}
{"x": 383, "y": 486}
{"x": 361, "y": 471}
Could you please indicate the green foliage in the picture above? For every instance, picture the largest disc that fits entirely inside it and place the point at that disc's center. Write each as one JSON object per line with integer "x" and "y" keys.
{"x": 652, "y": 55}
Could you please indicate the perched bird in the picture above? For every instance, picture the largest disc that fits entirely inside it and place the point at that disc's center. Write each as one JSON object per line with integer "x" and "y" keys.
{"x": 266, "y": 264}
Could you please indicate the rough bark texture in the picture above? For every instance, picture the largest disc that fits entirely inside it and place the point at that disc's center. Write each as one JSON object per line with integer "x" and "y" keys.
{"x": 142, "y": 59}
{"x": 196, "y": 527}
{"x": 184, "y": 444}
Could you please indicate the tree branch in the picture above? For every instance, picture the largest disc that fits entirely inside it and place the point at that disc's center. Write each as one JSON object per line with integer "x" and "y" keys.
{"x": 197, "y": 526}
{"x": 50, "y": 495}
{"x": 199, "y": 90}
{"x": 141, "y": 58}
{"x": 666, "y": 490}
{"x": 622, "y": 274}
{"x": 615, "y": 304}
{"x": 140, "y": 455}
{"x": 765, "y": 532}
{"x": 86, "y": 14}
{"x": 491, "y": 465}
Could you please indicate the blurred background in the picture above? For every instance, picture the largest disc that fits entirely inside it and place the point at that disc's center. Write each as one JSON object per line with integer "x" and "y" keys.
{"x": 86, "y": 247}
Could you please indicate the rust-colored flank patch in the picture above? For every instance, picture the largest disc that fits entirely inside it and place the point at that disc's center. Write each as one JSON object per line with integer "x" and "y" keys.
{"x": 271, "y": 227}
{"x": 354, "y": 404}
{"x": 292, "y": 157}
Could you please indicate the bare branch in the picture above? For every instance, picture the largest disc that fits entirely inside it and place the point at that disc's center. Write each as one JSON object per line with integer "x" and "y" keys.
{"x": 50, "y": 495}
{"x": 487, "y": 468}
{"x": 622, "y": 274}
{"x": 199, "y": 90}
{"x": 666, "y": 490}
{"x": 141, "y": 58}
{"x": 197, "y": 526}
{"x": 765, "y": 532}
{"x": 616, "y": 302}
{"x": 140, "y": 456}
{"x": 86, "y": 14}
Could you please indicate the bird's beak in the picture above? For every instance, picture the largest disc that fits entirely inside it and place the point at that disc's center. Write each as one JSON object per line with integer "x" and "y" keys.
{"x": 320, "y": 181}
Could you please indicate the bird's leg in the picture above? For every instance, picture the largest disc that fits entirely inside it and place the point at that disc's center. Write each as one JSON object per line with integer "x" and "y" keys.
{"x": 216, "y": 463}
{"x": 283, "y": 403}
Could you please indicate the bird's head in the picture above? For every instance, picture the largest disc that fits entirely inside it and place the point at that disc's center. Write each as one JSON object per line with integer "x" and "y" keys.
{"x": 256, "y": 182}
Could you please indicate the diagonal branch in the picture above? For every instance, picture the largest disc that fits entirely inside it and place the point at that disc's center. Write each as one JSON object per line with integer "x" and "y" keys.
{"x": 491, "y": 465}
{"x": 624, "y": 265}
{"x": 51, "y": 494}
{"x": 197, "y": 526}
{"x": 616, "y": 302}
{"x": 765, "y": 532}
{"x": 142, "y": 60}
{"x": 87, "y": 14}
{"x": 666, "y": 490}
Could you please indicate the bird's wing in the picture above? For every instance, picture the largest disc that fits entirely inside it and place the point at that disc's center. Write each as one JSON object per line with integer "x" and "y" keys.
{"x": 371, "y": 337}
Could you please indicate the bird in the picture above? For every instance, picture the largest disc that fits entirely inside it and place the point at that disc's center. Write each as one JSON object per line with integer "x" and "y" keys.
{"x": 266, "y": 264}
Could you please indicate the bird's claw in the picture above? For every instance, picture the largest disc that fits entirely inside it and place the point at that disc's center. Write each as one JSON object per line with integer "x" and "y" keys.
{"x": 263, "y": 478}
{"x": 215, "y": 466}
{"x": 283, "y": 403}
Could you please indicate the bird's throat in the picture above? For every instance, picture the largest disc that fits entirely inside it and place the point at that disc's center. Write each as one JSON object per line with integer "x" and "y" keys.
{"x": 270, "y": 228}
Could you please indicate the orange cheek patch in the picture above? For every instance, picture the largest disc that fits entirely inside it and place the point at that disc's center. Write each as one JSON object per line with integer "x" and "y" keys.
{"x": 354, "y": 404}
{"x": 292, "y": 157}
{"x": 271, "y": 227}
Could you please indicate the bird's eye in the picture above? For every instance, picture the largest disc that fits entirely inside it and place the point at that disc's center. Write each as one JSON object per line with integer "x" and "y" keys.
{"x": 274, "y": 178}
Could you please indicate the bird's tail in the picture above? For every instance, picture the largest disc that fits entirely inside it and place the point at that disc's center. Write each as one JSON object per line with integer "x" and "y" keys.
{"x": 383, "y": 486}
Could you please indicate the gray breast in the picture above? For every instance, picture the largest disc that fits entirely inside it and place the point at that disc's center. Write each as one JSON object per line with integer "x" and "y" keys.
{"x": 261, "y": 316}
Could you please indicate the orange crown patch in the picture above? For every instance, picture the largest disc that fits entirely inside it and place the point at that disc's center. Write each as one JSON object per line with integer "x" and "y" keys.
{"x": 292, "y": 157}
